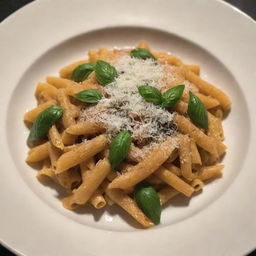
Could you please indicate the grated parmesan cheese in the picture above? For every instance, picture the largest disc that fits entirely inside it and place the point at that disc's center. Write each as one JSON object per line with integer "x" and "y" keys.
{"x": 123, "y": 108}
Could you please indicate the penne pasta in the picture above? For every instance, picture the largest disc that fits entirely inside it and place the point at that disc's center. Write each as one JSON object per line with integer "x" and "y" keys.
{"x": 181, "y": 107}
{"x": 129, "y": 205}
{"x": 69, "y": 148}
{"x": 144, "y": 168}
{"x": 153, "y": 180}
{"x": 55, "y": 138}
{"x": 66, "y": 71}
{"x": 97, "y": 200}
{"x": 202, "y": 140}
{"x": 54, "y": 154}
{"x": 174, "y": 181}
{"x": 69, "y": 203}
{"x": 31, "y": 115}
{"x": 172, "y": 168}
{"x": 85, "y": 171}
{"x": 208, "y": 101}
{"x": 72, "y": 89}
{"x": 92, "y": 182}
{"x": 209, "y": 172}
{"x": 124, "y": 167}
{"x": 60, "y": 82}
{"x": 170, "y": 59}
{"x": 38, "y": 153}
{"x": 135, "y": 154}
{"x": 218, "y": 113}
{"x": 46, "y": 92}
{"x": 209, "y": 89}
{"x": 104, "y": 54}
{"x": 108, "y": 200}
{"x": 63, "y": 178}
{"x": 215, "y": 129}
{"x": 185, "y": 157}
{"x": 197, "y": 184}
{"x": 68, "y": 139}
{"x": 68, "y": 114}
{"x": 68, "y": 117}
{"x": 74, "y": 177}
{"x": 81, "y": 153}
{"x": 112, "y": 175}
{"x": 129, "y": 190}
{"x": 93, "y": 55}
{"x": 195, "y": 156}
{"x": 194, "y": 68}
{"x": 143, "y": 44}
{"x": 90, "y": 163}
{"x": 173, "y": 156}
{"x": 46, "y": 172}
{"x": 85, "y": 128}
{"x": 166, "y": 194}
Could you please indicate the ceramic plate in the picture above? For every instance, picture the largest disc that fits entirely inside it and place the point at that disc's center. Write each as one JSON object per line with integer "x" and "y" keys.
{"x": 46, "y": 35}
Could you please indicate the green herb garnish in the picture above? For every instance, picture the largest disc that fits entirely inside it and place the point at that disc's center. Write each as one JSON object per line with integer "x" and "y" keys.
{"x": 44, "y": 122}
{"x": 81, "y": 72}
{"x": 197, "y": 111}
{"x": 148, "y": 201}
{"x": 88, "y": 96}
{"x": 105, "y": 73}
{"x": 142, "y": 53}
{"x": 119, "y": 148}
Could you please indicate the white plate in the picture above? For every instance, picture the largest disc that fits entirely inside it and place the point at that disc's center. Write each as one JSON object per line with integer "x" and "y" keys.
{"x": 46, "y": 35}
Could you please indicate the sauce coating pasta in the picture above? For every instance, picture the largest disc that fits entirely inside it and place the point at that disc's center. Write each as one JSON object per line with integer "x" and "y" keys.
{"x": 147, "y": 94}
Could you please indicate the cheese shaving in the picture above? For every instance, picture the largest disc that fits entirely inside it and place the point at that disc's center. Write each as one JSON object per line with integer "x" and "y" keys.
{"x": 123, "y": 108}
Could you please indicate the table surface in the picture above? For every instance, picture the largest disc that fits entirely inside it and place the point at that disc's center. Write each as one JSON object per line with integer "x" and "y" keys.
{"x": 7, "y": 7}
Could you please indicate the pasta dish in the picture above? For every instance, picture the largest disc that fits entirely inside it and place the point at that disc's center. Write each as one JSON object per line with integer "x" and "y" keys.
{"x": 128, "y": 127}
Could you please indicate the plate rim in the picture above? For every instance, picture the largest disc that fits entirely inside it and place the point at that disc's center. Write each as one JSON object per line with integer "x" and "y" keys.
{"x": 37, "y": 3}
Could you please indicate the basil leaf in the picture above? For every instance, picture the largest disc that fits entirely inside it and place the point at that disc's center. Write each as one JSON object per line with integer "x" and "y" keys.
{"x": 88, "y": 96}
{"x": 44, "y": 122}
{"x": 81, "y": 72}
{"x": 197, "y": 111}
{"x": 172, "y": 96}
{"x": 150, "y": 94}
{"x": 105, "y": 73}
{"x": 142, "y": 53}
{"x": 119, "y": 148}
{"x": 148, "y": 201}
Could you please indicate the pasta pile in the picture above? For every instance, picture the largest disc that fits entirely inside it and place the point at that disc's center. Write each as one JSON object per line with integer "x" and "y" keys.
{"x": 100, "y": 164}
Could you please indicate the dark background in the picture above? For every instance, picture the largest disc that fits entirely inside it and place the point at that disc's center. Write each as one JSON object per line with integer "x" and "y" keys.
{"x": 9, "y": 6}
